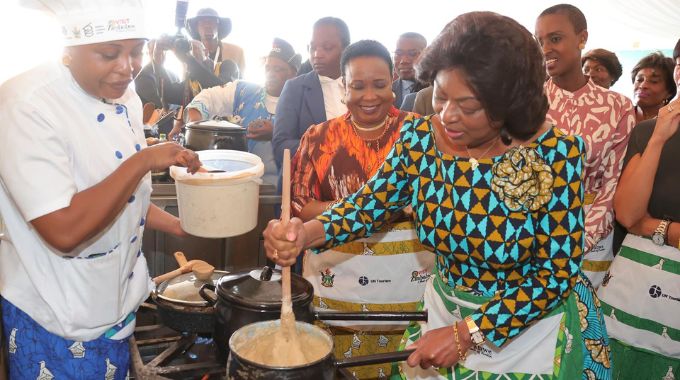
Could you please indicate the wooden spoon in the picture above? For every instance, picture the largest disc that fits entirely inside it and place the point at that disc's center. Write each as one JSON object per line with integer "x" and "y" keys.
{"x": 202, "y": 270}
{"x": 172, "y": 274}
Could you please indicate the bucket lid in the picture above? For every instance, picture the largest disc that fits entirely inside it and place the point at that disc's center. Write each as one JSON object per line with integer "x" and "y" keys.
{"x": 247, "y": 289}
{"x": 237, "y": 165}
{"x": 214, "y": 125}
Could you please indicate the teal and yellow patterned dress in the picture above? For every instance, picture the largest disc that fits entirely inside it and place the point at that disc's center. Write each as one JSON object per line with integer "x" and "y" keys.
{"x": 508, "y": 236}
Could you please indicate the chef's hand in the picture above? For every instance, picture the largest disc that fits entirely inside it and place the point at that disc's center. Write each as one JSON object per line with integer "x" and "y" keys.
{"x": 284, "y": 242}
{"x": 437, "y": 348}
{"x": 161, "y": 156}
{"x": 260, "y": 130}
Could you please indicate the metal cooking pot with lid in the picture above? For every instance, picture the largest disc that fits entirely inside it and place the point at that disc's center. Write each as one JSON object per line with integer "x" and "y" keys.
{"x": 215, "y": 134}
{"x": 180, "y": 306}
{"x": 255, "y": 295}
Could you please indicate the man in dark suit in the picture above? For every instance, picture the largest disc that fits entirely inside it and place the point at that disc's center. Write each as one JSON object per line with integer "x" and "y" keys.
{"x": 314, "y": 97}
{"x": 409, "y": 47}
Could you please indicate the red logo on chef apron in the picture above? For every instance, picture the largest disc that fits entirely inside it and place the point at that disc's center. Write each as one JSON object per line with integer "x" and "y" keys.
{"x": 327, "y": 278}
{"x": 420, "y": 276}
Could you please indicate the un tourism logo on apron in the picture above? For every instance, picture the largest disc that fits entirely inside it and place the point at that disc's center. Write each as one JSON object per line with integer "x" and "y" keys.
{"x": 655, "y": 292}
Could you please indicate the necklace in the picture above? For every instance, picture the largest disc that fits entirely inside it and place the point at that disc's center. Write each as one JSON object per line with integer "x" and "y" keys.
{"x": 474, "y": 163}
{"x": 375, "y": 143}
{"x": 368, "y": 129}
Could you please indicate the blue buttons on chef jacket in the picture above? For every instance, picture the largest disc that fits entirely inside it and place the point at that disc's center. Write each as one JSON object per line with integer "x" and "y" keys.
{"x": 134, "y": 239}
{"x": 130, "y": 276}
{"x": 119, "y": 109}
{"x": 141, "y": 222}
{"x": 139, "y": 253}
{"x": 100, "y": 117}
{"x": 131, "y": 199}
{"x": 138, "y": 147}
{"x": 119, "y": 155}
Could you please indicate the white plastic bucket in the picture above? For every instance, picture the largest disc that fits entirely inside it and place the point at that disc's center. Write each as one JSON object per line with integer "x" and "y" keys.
{"x": 219, "y": 205}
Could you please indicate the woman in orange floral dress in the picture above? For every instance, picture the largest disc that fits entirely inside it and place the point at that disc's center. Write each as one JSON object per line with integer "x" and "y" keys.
{"x": 388, "y": 270}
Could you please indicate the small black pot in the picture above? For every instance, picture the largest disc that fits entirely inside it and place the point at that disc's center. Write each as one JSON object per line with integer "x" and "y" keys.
{"x": 185, "y": 316}
{"x": 254, "y": 296}
{"x": 239, "y": 368}
{"x": 211, "y": 134}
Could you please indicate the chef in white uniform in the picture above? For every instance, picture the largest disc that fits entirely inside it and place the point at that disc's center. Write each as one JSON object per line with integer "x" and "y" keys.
{"x": 75, "y": 197}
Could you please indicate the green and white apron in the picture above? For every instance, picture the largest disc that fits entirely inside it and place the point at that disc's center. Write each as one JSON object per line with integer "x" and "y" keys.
{"x": 550, "y": 349}
{"x": 384, "y": 272}
{"x": 641, "y": 303}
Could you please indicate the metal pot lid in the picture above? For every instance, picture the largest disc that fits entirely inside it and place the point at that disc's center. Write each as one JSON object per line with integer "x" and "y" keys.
{"x": 247, "y": 289}
{"x": 183, "y": 289}
{"x": 215, "y": 126}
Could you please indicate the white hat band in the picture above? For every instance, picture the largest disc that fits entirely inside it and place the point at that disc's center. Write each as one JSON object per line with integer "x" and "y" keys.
{"x": 102, "y": 25}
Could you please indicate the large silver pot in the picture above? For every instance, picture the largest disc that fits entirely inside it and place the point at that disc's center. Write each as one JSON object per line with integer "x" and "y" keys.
{"x": 215, "y": 134}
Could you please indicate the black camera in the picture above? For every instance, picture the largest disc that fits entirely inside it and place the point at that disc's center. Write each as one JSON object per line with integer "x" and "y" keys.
{"x": 179, "y": 43}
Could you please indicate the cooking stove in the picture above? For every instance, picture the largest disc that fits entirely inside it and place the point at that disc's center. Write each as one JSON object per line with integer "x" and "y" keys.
{"x": 158, "y": 352}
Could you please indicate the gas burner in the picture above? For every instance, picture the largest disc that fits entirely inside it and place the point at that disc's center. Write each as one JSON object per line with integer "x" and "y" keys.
{"x": 158, "y": 352}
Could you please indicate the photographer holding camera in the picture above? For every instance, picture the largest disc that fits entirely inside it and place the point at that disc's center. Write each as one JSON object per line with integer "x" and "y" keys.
{"x": 209, "y": 28}
{"x": 198, "y": 70}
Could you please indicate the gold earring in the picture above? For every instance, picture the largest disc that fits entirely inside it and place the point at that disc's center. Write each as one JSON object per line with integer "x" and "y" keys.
{"x": 582, "y": 46}
{"x": 66, "y": 60}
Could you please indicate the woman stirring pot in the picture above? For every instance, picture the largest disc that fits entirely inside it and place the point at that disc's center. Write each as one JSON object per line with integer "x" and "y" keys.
{"x": 75, "y": 197}
{"x": 507, "y": 298}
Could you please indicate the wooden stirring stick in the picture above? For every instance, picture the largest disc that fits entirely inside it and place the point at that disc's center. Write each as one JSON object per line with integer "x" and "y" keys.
{"x": 287, "y": 343}
{"x": 287, "y": 316}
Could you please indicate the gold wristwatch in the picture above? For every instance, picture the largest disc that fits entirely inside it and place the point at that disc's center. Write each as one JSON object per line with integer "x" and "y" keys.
{"x": 476, "y": 335}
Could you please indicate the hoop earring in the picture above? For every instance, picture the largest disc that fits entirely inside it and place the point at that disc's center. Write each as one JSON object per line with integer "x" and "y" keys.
{"x": 66, "y": 60}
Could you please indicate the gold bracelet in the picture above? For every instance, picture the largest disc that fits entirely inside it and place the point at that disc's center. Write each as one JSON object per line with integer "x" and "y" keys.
{"x": 461, "y": 356}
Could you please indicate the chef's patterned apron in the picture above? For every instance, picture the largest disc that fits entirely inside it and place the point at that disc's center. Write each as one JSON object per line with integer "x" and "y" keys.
{"x": 641, "y": 306}
{"x": 384, "y": 272}
{"x": 565, "y": 344}
{"x": 45, "y": 356}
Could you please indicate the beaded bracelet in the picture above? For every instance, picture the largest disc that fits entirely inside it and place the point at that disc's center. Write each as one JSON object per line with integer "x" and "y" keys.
{"x": 461, "y": 356}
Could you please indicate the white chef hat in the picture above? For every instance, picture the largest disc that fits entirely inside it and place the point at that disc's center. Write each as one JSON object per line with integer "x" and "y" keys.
{"x": 93, "y": 21}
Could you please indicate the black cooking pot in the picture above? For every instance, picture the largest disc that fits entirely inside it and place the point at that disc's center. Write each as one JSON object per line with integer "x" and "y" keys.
{"x": 239, "y": 368}
{"x": 255, "y": 295}
{"x": 215, "y": 134}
